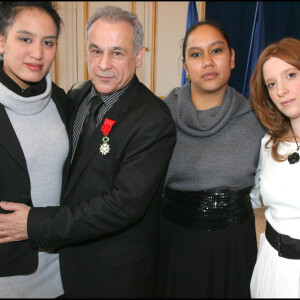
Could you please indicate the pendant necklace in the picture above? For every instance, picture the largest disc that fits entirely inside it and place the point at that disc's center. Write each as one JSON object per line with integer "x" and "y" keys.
{"x": 294, "y": 157}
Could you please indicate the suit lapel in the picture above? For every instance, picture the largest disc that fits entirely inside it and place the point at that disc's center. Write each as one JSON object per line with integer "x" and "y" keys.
{"x": 9, "y": 140}
{"x": 75, "y": 96}
{"x": 79, "y": 92}
{"x": 92, "y": 148}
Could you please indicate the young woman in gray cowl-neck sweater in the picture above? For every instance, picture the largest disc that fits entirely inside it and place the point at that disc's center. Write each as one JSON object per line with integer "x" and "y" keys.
{"x": 33, "y": 139}
{"x": 208, "y": 241}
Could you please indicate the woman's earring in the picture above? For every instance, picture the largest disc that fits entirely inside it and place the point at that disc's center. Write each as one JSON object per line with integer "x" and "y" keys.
{"x": 188, "y": 78}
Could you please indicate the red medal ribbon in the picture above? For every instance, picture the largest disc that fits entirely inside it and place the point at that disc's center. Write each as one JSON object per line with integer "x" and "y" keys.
{"x": 107, "y": 125}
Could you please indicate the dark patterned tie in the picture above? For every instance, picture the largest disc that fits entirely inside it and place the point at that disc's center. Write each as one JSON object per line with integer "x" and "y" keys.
{"x": 88, "y": 127}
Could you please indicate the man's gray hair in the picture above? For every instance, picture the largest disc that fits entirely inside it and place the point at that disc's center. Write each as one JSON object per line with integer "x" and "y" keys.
{"x": 113, "y": 13}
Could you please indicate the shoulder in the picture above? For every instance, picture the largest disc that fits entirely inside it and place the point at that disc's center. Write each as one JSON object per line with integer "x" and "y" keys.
{"x": 265, "y": 139}
{"x": 80, "y": 87}
{"x": 153, "y": 103}
{"x": 177, "y": 98}
{"x": 173, "y": 94}
{"x": 245, "y": 107}
{"x": 245, "y": 114}
{"x": 265, "y": 152}
{"x": 176, "y": 93}
{"x": 56, "y": 90}
{"x": 145, "y": 112}
{"x": 244, "y": 103}
{"x": 58, "y": 95}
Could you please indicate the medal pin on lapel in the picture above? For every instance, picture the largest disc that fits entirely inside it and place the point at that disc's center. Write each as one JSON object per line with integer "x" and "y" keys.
{"x": 105, "y": 129}
{"x": 104, "y": 148}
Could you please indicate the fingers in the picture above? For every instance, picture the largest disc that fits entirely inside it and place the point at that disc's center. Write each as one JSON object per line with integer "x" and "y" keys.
{"x": 12, "y": 206}
{"x": 5, "y": 240}
{"x": 3, "y": 237}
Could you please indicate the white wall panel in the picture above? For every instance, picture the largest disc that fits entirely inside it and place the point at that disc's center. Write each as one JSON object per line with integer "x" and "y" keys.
{"x": 161, "y": 70}
{"x": 171, "y": 23}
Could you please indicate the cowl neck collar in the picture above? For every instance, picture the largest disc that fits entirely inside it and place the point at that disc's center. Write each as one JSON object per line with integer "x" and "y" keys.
{"x": 204, "y": 123}
{"x": 26, "y": 105}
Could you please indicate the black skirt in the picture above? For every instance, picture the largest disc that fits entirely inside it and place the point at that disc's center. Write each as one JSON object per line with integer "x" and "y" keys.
{"x": 206, "y": 264}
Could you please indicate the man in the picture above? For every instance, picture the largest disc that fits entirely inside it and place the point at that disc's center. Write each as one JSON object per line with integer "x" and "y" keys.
{"x": 107, "y": 225}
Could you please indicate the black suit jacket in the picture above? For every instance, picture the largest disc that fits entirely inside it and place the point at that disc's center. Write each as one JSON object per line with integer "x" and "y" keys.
{"x": 18, "y": 258}
{"x": 107, "y": 226}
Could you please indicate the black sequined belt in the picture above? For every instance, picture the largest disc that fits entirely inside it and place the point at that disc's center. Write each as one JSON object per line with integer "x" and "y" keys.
{"x": 286, "y": 246}
{"x": 209, "y": 210}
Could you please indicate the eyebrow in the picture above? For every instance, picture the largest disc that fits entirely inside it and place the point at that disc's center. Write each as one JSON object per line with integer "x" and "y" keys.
{"x": 114, "y": 48}
{"x": 29, "y": 33}
{"x": 212, "y": 44}
{"x": 284, "y": 71}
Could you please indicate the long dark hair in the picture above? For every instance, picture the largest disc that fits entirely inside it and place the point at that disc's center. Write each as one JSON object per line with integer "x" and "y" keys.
{"x": 9, "y": 10}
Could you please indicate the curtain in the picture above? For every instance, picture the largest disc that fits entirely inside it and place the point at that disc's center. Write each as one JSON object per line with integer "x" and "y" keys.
{"x": 281, "y": 20}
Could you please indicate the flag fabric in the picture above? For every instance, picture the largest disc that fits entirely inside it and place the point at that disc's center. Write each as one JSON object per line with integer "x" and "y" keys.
{"x": 192, "y": 18}
{"x": 257, "y": 44}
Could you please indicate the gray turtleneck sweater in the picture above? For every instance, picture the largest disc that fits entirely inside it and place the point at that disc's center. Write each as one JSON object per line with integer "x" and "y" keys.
{"x": 44, "y": 142}
{"x": 216, "y": 148}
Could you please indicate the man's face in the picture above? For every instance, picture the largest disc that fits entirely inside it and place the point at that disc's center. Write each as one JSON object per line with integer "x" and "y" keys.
{"x": 110, "y": 55}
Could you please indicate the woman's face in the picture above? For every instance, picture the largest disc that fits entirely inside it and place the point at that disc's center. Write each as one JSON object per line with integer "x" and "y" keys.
{"x": 283, "y": 84}
{"x": 208, "y": 60}
{"x": 29, "y": 47}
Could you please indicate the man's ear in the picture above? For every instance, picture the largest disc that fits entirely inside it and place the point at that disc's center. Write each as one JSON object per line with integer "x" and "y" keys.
{"x": 2, "y": 43}
{"x": 139, "y": 57}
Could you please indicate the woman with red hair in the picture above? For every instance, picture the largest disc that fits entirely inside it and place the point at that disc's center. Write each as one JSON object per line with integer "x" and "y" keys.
{"x": 275, "y": 98}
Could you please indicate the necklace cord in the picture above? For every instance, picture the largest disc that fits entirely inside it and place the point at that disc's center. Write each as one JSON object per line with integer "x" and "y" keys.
{"x": 295, "y": 137}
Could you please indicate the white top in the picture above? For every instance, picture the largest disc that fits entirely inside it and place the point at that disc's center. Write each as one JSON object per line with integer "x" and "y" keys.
{"x": 279, "y": 184}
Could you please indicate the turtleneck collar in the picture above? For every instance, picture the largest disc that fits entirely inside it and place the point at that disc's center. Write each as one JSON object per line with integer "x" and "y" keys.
{"x": 34, "y": 90}
{"x": 26, "y": 105}
{"x": 203, "y": 123}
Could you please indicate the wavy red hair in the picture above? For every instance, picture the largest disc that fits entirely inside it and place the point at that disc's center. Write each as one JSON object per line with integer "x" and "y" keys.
{"x": 277, "y": 125}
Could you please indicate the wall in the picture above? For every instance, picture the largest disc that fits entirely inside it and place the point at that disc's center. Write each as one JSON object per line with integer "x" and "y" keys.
{"x": 164, "y": 25}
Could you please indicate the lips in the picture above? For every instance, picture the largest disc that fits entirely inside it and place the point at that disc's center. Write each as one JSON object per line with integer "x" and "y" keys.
{"x": 287, "y": 102}
{"x": 34, "y": 67}
{"x": 209, "y": 75}
{"x": 105, "y": 77}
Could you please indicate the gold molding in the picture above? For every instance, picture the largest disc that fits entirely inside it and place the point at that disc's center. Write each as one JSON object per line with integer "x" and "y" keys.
{"x": 153, "y": 46}
{"x": 133, "y": 7}
{"x": 203, "y": 6}
{"x": 86, "y": 17}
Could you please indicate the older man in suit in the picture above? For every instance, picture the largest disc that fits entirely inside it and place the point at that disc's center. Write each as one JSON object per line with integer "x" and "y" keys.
{"x": 123, "y": 137}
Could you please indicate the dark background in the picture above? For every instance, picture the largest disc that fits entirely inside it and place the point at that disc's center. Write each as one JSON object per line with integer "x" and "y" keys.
{"x": 281, "y": 18}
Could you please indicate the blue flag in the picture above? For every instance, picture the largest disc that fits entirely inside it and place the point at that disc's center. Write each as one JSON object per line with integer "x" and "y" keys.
{"x": 192, "y": 18}
{"x": 257, "y": 44}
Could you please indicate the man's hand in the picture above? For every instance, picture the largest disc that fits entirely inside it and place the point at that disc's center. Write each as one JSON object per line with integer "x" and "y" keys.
{"x": 13, "y": 226}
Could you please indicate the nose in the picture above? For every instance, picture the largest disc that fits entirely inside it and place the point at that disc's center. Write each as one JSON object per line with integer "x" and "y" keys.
{"x": 36, "y": 51}
{"x": 207, "y": 60}
{"x": 281, "y": 89}
{"x": 104, "y": 62}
